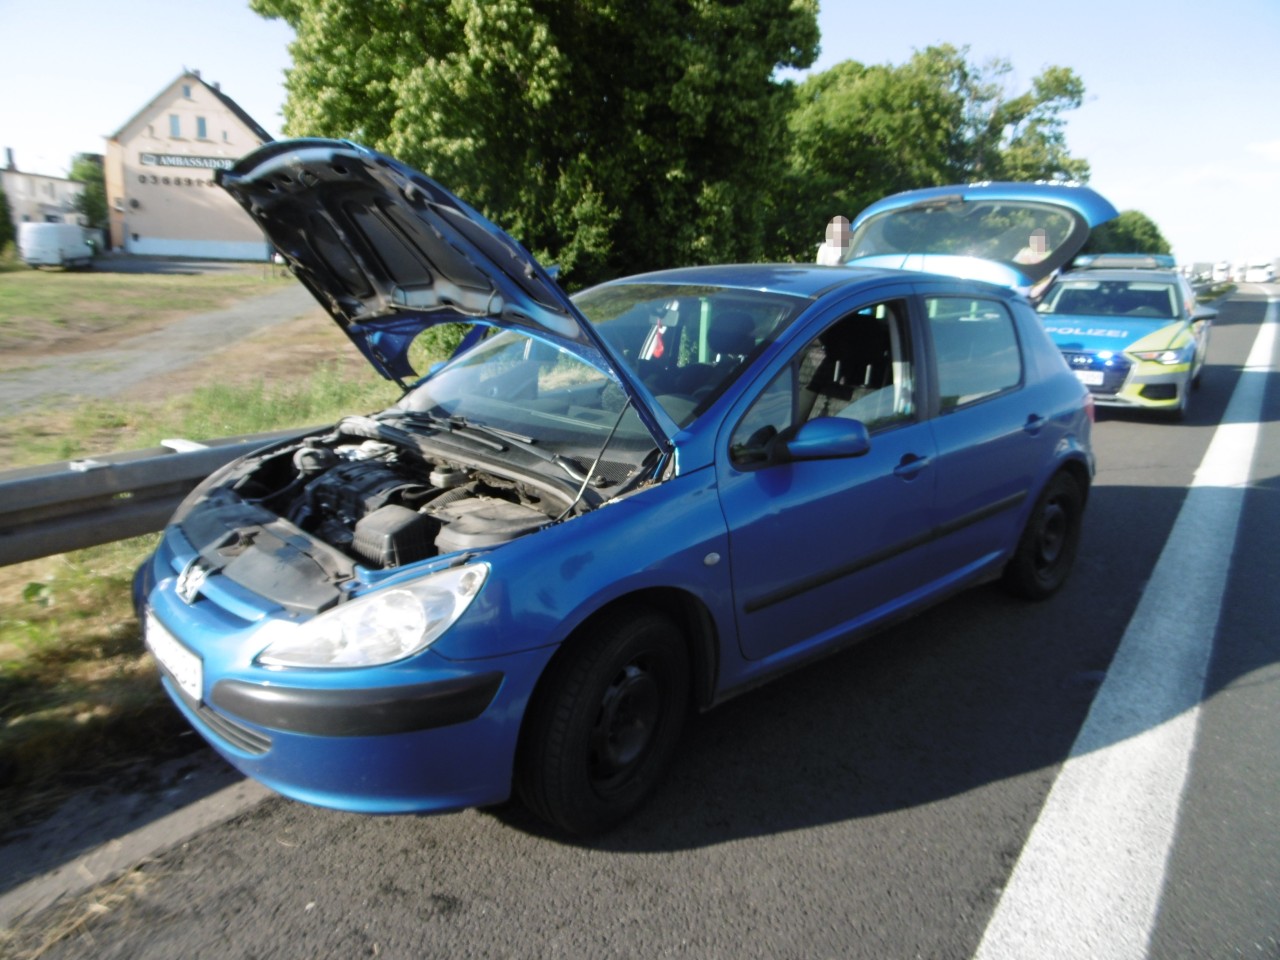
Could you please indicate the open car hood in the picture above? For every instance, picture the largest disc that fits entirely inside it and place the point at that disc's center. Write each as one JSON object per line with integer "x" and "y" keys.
{"x": 389, "y": 252}
{"x": 983, "y": 231}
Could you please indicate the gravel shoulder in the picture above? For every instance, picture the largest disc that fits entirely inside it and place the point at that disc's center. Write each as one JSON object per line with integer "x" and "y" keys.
{"x": 119, "y": 369}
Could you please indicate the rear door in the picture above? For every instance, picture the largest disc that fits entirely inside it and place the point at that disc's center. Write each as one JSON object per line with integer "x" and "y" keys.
{"x": 992, "y": 428}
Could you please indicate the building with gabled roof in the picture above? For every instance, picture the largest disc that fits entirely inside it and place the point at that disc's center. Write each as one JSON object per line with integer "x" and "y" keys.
{"x": 37, "y": 197}
{"x": 159, "y": 171}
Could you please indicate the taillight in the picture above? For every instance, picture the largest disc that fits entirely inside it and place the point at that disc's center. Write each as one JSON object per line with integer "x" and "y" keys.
{"x": 1088, "y": 407}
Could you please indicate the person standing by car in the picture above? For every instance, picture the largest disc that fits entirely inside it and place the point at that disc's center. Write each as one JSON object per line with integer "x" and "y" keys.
{"x": 835, "y": 248}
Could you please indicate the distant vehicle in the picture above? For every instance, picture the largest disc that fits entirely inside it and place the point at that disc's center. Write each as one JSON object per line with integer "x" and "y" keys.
{"x": 55, "y": 245}
{"x": 1221, "y": 272}
{"x": 1134, "y": 337}
{"x": 1238, "y": 271}
{"x": 1260, "y": 271}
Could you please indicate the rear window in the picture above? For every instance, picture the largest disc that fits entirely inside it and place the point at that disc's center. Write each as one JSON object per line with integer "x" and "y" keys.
{"x": 1016, "y": 232}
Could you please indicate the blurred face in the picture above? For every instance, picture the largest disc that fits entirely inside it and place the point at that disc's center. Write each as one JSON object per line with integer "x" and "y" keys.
{"x": 838, "y": 231}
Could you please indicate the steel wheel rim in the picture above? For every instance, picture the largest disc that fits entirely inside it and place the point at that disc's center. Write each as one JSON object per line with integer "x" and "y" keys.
{"x": 628, "y": 718}
{"x": 1054, "y": 526}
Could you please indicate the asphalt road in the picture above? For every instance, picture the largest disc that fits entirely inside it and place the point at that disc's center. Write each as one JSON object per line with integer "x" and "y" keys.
{"x": 874, "y": 805}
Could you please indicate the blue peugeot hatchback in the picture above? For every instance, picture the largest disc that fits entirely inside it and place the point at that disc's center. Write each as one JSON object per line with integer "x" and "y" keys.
{"x": 605, "y": 511}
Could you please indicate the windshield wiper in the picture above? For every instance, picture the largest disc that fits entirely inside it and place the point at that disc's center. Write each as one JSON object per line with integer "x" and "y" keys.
{"x": 493, "y": 437}
{"x": 439, "y": 423}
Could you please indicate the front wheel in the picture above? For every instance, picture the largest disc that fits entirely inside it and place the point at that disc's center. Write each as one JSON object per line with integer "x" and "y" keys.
{"x": 1179, "y": 413}
{"x": 603, "y": 729}
{"x": 1048, "y": 546}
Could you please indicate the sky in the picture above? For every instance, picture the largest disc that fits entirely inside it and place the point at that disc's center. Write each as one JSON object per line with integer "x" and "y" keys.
{"x": 1180, "y": 118}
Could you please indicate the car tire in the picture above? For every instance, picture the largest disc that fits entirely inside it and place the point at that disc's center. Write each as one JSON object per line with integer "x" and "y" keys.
{"x": 1049, "y": 543}
{"x": 603, "y": 727}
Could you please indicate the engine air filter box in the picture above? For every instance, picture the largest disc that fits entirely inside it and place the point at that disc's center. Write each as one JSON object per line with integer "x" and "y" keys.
{"x": 393, "y": 535}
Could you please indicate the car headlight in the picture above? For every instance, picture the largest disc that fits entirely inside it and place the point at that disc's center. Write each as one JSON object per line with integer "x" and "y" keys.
{"x": 381, "y": 627}
{"x": 1170, "y": 357}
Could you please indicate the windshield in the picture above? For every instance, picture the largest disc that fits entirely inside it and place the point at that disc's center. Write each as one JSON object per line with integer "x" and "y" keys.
{"x": 1111, "y": 298}
{"x": 539, "y": 394}
{"x": 686, "y": 343}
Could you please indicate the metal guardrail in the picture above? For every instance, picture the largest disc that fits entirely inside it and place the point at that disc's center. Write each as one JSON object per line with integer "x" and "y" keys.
{"x": 82, "y": 503}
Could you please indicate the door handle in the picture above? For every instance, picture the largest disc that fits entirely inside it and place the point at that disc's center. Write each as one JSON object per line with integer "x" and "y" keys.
{"x": 910, "y": 466}
{"x": 1035, "y": 423}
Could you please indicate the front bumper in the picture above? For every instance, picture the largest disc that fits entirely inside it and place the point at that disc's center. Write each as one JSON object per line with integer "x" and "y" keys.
{"x": 425, "y": 734}
{"x": 1119, "y": 382}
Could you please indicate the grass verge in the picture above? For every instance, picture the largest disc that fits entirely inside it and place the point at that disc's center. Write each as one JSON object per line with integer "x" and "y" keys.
{"x": 321, "y": 394}
{"x": 80, "y": 700}
{"x": 79, "y": 695}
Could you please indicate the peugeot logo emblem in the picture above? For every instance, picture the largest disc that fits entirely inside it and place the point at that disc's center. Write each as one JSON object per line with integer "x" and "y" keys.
{"x": 190, "y": 580}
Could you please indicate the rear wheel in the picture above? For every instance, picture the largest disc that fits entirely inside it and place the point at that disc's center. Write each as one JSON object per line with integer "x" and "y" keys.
{"x": 1047, "y": 549}
{"x": 603, "y": 729}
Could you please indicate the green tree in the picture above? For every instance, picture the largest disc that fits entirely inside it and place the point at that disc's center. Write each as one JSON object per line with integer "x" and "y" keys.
{"x": 607, "y": 137}
{"x": 1131, "y": 232}
{"x": 858, "y": 133}
{"x": 7, "y": 231}
{"x": 92, "y": 202}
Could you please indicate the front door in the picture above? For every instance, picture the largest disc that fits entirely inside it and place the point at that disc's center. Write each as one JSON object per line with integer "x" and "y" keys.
{"x": 821, "y": 546}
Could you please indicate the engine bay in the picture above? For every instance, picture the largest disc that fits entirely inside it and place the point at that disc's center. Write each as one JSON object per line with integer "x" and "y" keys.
{"x": 386, "y": 504}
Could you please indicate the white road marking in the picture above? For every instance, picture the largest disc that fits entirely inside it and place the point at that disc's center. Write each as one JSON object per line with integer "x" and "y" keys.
{"x": 1088, "y": 881}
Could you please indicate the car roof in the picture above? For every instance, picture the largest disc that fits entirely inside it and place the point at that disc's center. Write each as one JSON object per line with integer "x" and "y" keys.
{"x": 1125, "y": 261}
{"x": 1138, "y": 275}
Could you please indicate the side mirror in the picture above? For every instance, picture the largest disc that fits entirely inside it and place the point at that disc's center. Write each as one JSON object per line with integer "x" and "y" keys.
{"x": 1204, "y": 313}
{"x": 824, "y": 438}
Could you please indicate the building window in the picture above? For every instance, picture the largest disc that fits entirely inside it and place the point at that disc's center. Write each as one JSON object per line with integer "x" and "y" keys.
{"x": 175, "y": 125}
{"x": 224, "y": 136}
{"x": 186, "y": 90}
{"x": 202, "y": 130}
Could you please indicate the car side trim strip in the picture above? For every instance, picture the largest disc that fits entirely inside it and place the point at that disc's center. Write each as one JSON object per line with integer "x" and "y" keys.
{"x": 880, "y": 556}
{"x": 983, "y": 513}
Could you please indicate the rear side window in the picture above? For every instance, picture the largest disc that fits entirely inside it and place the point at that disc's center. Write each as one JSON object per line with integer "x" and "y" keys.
{"x": 975, "y": 347}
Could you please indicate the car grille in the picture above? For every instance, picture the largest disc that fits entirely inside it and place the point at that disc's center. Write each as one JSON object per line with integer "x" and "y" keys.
{"x": 233, "y": 732}
{"x": 1114, "y": 371}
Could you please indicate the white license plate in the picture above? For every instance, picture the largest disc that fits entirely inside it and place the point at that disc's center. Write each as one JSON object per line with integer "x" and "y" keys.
{"x": 183, "y": 665}
{"x": 1090, "y": 378}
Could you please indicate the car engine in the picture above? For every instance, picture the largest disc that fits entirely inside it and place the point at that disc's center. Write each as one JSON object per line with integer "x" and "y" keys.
{"x": 385, "y": 504}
